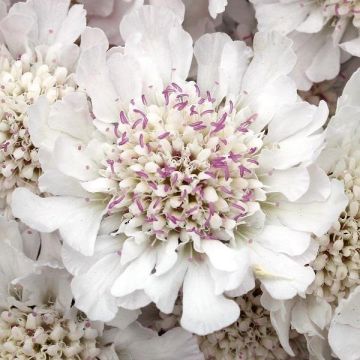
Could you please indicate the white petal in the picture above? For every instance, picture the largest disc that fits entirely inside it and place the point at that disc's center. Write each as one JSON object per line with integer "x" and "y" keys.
{"x": 167, "y": 256}
{"x": 74, "y": 162}
{"x": 126, "y": 76}
{"x": 131, "y": 250}
{"x": 77, "y": 221}
{"x": 351, "y": 94}
{"x": 56, "y": 183}
{"x": 203, "y": 311}
{"x": 77, "y": 263}
{"x": 306, "y": 47}
{"x": 282, "y": 277}
{"x": 13, "y": 264}
{"x": 320, "y": 186}
{"x": 124, "y": 318}
{"x": 92, "y": 290}
{"x": 72, "y": 27}
{"x": 282, "y": 239}
{"x": 71, "y": 115}
{"x": 155, "y": 33}
{"x": 279, "y": 16}
{"x": 293, "y": 182}
{"x": 352, "y": 46}
{"x": 173, "y": 345}
{"x": 326, "y": 64}
{"x": 273, "y": 57}
{"x": 222, "y": 257}
{"x": 92, "y": 74}
{"x": 301, "y": 321}
{"x": 40, "y": 132}
{"x": 314, "y": 22}
{"x": 290, "y": 120}
{"x": 221, "y": 64}
{"x": 316, "y": 217}
{"x": 280, "y": 315}
{"x": 136, "y": 300}
{"x": 100, "y": 184}
{"x": 348, "y": 311}
{"x": 177, "y": 6}
{"x": 163, "y": 290}
{"x": 135, "y": 275}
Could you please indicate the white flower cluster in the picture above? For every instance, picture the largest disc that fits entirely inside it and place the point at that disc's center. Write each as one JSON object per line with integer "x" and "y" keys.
{"x": 173, "y": 185}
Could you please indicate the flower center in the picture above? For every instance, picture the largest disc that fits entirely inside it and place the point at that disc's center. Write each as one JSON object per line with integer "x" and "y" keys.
{"x": 21, "y": 83}
{"x": 186, "y": 166}
{"x": 43, "y": 333}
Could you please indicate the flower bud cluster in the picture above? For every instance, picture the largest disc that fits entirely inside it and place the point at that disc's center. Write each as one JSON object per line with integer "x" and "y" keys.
{"x": 251, "y": 337}
{"x": 44, "y": 333}
{"x": 21, "y": 83}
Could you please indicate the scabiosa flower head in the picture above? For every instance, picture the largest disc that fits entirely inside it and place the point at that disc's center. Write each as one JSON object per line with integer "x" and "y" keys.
{"x": 39, "y": 321}
{"x": 36, "y": 59}
{"x": 36, "y": 317}
{"x": 182, "y": 183}
{"x": 338, "y": 262}
{"x": 325, "y": 34}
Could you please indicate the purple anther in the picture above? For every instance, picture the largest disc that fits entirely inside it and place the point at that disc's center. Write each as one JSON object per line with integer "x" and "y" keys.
{"x": 123, "y": 119}
{"x": 164, "y": 135}
{"x": 116, "y": 202}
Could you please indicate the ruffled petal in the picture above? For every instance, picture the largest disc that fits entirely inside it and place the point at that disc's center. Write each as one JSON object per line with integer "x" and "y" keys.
{"x": 203, "y": 311}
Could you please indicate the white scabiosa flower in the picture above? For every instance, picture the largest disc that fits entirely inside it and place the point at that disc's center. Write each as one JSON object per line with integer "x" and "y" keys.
{"x": 36, "y": 58}
{"x": 325, "y": 34}
{"x": 196, "y": 185}
{"x": 337, "y": 263}
{"x": 39, "y": 321}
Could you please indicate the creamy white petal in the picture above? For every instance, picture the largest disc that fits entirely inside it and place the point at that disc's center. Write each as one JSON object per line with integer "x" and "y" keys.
{"x": 203, "y": 311}
{"x": 284, "y": 240}
{"x": 77, "y": 221}
{"x": 173, "y": 345}
{"x": 293, "y": 182}
{"x": 71, "y": 116}
{"x": 221, "y": 64}
{"x": 92, "y": 289}
{"x": 93, "y": 74}
{"x": 316, "y": 217}
{"x": 163, "y": 290}
{"x": 326, "y": 63}
{"x": 280, "y": 315}
{"x": 153, "y": 34}
{"x": 282, "y": 17}
{"x": 136, "y": 274}
{"x": 221, "y": 256}
{"x": 282, "y": 277}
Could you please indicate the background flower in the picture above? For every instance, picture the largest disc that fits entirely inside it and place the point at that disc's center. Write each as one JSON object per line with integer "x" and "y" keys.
{"x": 325, "y": 34}
{"x": 36, "y": 58}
